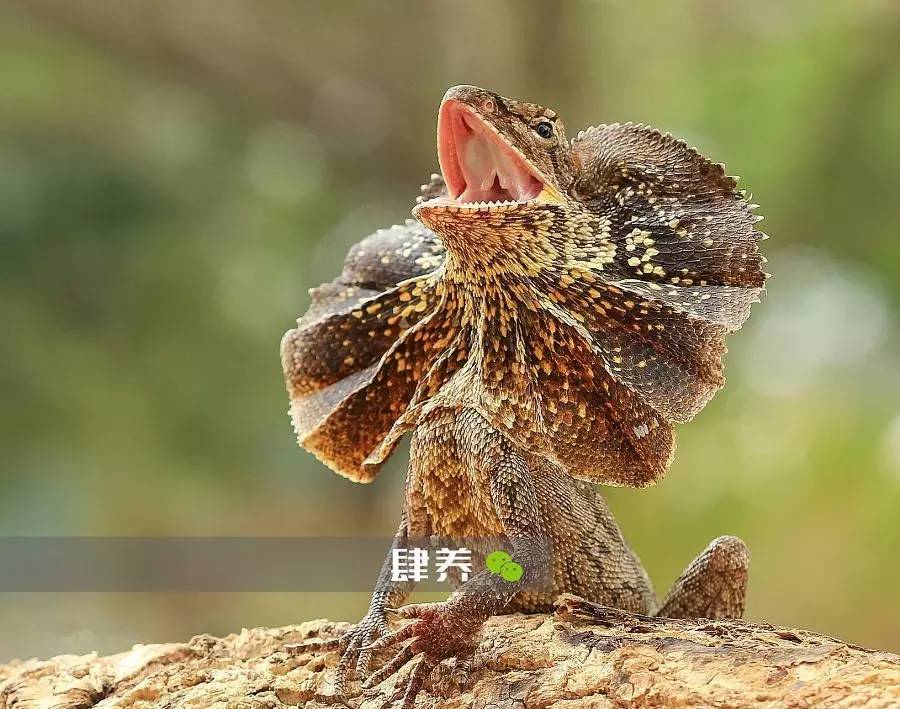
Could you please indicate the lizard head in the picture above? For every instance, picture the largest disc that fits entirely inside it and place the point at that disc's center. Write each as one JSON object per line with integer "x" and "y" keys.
{"x": 497, "y": 155}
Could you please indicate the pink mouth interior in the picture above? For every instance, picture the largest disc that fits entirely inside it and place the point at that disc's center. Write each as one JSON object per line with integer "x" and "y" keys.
{"x": 477, "y": 164}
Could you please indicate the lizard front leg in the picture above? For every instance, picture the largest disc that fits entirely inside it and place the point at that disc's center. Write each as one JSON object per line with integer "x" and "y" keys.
{"x": 354, "y": 645}
{"x": 446, "y": 630}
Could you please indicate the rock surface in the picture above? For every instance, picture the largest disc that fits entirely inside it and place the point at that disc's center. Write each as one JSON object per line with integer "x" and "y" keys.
{"x": 582, "y": 656}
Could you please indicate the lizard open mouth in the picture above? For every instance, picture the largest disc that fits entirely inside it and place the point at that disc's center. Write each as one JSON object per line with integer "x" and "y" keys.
{"x": 481, "y": 169}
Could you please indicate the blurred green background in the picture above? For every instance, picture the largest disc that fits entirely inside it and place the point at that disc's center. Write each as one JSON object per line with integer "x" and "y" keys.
{"x": 174, "y": 176}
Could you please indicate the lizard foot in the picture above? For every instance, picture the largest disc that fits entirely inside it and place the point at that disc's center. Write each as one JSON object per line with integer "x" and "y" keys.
{"x": 439, "y": 632}
{"x": 355, "y": 647}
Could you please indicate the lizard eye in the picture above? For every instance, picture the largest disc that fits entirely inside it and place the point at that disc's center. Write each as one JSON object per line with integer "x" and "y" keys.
{"x": 544, "y": 129}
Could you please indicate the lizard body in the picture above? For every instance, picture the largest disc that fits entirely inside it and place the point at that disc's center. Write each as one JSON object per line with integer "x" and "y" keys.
{"x": 556, "y": 309}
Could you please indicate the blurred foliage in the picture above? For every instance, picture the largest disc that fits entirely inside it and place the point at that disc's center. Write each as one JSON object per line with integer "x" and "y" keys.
{"x": 174, "y": 176}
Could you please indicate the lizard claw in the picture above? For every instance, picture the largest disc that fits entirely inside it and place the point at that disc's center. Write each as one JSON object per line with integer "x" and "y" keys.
{"x": 314, "y": 645}
{"x": 357, "y": 655}
{"x": 438, "y": 632}
{"x": 355, "y": 645}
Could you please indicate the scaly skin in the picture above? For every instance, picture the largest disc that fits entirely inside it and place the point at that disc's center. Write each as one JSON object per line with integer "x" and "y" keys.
{"x": 533, "y": 349}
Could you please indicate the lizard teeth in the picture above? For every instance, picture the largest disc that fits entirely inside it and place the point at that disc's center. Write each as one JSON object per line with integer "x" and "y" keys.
{"x": 483, "y": 206}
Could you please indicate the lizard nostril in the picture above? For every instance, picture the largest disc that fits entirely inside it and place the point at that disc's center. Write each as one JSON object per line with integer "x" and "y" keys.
{"x": 488, "y": 105}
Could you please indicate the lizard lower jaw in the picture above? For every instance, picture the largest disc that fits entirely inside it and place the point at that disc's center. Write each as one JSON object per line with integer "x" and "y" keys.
{"x": 448, "y": 204}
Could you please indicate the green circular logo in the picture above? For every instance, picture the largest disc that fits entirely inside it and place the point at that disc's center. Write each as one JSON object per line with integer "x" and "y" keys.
{"x": 495, "y": 561}
{"x": 512, "y": 571}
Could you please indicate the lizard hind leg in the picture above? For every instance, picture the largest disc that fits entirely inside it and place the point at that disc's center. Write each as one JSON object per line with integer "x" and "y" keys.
{"x": 714, "y": 585}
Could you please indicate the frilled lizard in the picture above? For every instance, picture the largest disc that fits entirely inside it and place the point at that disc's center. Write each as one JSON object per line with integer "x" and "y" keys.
{"x": 556, "y": 309}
